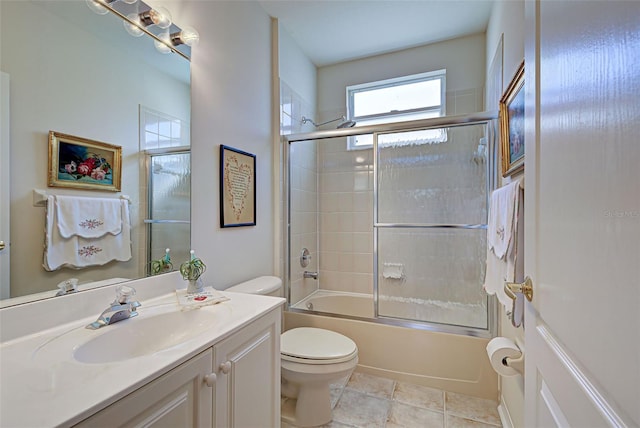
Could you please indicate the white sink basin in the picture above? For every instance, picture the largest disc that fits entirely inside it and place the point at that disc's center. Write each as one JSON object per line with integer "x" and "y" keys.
{"x": 142, "y": 335}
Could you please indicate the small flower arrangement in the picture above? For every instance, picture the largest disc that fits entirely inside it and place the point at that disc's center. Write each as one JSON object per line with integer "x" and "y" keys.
{"x": 192, "y": 269}
{"x": 162, "y": 265}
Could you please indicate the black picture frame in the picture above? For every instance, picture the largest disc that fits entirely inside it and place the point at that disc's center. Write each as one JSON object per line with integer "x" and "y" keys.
{"x": 237, "y": 187}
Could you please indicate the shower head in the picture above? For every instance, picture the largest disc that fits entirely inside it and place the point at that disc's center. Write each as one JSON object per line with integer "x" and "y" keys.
{"x": 347, "y": 123}
{"x": 344, "y": 124}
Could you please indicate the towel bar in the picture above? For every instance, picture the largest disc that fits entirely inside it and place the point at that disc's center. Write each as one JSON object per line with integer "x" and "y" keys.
{"x": 40, "y": 198}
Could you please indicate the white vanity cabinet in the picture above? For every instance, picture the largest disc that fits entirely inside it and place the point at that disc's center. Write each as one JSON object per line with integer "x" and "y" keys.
{"x": 179, "y": 398}
{"x": 235, "y": 383}
{"x": 247, "y": 392}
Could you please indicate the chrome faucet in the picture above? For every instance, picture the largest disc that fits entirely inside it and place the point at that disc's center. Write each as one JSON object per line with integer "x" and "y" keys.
{"x": 120, "y": 309}
{"x": 308, "y": 274}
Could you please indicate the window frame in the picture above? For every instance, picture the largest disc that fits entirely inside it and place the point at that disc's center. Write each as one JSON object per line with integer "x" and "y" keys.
{"x": 394, "y": 115}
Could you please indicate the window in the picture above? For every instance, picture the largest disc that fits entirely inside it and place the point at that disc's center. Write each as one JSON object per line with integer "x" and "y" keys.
{"x": 419, "y": 96}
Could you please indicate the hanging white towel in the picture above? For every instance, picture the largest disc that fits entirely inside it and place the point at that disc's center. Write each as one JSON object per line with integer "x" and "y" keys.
{"x": 76, "y": 252}
{"x": 88, "y": 217}
{"x": 502, "y": 213}
{"x": 509, "y": 265}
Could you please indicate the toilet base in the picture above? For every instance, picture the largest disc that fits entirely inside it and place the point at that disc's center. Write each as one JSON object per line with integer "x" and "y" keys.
{"x": 311, "y": 408}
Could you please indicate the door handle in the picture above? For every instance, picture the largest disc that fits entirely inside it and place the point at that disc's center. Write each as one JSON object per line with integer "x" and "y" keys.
{"x": 2, "y": 245}
{"x": 526, "y": 288}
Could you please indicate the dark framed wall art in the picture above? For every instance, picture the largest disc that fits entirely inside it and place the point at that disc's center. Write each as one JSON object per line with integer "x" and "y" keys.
{"x": 237, "y": 187}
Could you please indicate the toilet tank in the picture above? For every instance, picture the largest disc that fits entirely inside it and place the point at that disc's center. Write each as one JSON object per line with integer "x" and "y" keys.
{"x": 264, "y": 285}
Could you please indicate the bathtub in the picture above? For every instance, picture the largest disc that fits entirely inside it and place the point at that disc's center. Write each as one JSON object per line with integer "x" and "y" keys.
{"x": 359, "y": 305}
{"x": 452, "y": 362}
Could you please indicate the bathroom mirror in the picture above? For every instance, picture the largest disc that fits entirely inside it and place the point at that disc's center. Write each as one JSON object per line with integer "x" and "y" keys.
{"x": 79, "y": 73}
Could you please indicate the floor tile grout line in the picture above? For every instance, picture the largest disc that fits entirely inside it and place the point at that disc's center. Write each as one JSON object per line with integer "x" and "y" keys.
{"x": 390, "y": 403}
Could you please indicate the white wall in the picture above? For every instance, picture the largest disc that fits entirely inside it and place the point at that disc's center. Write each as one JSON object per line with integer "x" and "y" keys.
{"x": 299, "y": 74}
{"x": 231, "y": 105}
{"x": 67, "y": 79}
{"x": 507, "y": 17}
{"x": 464, "y": 59}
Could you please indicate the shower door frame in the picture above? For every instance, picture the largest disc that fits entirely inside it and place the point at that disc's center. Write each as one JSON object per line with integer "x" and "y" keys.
{"x": 148, "y": 220}
{"x": 487, "y": 118}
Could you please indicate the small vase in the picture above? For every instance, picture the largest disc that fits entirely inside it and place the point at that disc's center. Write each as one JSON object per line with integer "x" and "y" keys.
{"x": 195, "y": 286}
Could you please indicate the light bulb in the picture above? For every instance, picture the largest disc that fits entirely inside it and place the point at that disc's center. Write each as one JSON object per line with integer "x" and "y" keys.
{"x": 133, "y": 25}
{"x": 129, "y": 1}
{"x": 160, "y": 17}
{"x": 188, "y": 36}
{"x": 99, "y": 6}
{"x": 163, "y": 47}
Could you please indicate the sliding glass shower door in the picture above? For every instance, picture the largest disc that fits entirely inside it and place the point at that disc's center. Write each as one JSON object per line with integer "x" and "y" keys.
{"x": 168, "y": 206}
{"x": 430, "y": 216}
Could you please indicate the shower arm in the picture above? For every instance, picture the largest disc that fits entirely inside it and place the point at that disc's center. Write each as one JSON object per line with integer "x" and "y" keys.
{"x": 307, "y": 120}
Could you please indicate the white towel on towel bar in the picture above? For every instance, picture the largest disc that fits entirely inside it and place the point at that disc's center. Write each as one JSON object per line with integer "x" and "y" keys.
{"x": 502, "y": 217}
{"x": 510, "y": 244}
{"x": 76, "y": 252}
{"x": 88, "y": 217}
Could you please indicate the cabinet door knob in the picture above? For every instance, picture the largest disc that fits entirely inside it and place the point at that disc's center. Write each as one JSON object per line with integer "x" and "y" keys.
{"x": 210, "y": 380}
{"x": 225, "y": 367}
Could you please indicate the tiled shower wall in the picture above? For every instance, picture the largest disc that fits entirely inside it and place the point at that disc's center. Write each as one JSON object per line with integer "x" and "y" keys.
{"x": 304, "y": 193}
{"x": 346, "y": 217}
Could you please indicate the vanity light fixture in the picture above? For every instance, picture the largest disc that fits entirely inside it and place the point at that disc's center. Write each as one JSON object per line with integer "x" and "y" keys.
{"x": 135, "y": 22}
{"x": 188, "y": 36}
{"x": 158, "y": 16}
{"x": 133, "y": 25}
{"x": 155, "y": 22}
{"x": 163, "y": 44}
{"x": 100, "y": 6}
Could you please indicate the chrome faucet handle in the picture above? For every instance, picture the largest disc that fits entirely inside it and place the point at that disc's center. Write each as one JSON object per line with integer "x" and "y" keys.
{"x": 120, "y": 309}
{"x": 308, "y": 274}
{"x": 123, "y": 294}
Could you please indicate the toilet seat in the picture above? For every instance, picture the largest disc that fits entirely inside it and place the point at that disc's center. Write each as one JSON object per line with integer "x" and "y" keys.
{"x": 308, "y": 345}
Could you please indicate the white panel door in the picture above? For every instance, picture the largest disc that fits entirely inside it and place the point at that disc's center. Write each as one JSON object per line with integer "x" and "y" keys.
{"x": 582, "y": 202}
{"x": 5, "y": 179}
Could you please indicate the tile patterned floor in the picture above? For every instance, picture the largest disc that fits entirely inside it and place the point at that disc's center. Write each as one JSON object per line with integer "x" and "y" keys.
{"x": 374, "y": 402}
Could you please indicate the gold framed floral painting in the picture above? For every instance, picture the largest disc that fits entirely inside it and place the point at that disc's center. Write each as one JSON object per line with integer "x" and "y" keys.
{"x": 512, "y": 125}
{"x": 84, "y": 164}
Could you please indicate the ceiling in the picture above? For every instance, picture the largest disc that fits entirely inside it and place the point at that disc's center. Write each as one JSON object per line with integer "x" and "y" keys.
{"x": 333, "y": 31}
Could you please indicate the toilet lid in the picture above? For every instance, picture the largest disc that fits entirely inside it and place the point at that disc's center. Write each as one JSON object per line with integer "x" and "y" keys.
{"x": 316, "y": 344}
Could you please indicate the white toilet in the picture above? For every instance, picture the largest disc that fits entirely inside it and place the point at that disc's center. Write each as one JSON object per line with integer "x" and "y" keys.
{"x": 311, "y": 359}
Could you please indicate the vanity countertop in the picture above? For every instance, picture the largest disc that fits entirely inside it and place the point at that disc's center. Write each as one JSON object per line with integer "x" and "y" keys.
{"x": 43, "y": 385}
